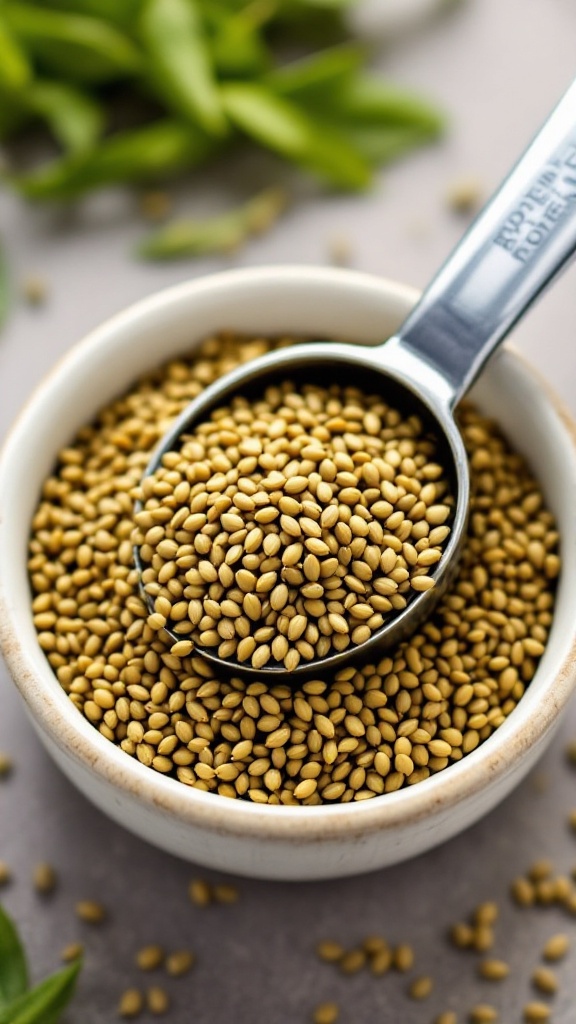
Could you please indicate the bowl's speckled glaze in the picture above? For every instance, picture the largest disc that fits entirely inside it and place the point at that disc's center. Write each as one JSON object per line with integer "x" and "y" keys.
{"x": 250, "y": 839}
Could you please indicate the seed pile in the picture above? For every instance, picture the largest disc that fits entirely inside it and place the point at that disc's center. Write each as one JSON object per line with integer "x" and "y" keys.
{"x": 368, "y": 730}
{"x": 288, "y": 528}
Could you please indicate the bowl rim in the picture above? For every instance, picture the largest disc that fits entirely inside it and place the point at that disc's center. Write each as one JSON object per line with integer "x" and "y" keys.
{"x": 64, "y": 727}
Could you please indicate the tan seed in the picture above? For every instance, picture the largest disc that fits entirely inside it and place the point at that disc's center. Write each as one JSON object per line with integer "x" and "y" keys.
{"x": 131, "y": 1003}
{"x": 179, "y": 963}
{"x": 556, "y": 948}
{"x": 535, "y": 1012}
{"x": 149, "y": 958}
{"x": 421, "y": 987}
{"x": 73, "y": 951}
{"x": 494, "y": 970}
{"x": 157, "y": 1000}
{"x": 200, "y": 892}
{"x": 90, "y": 911}
{"x": 326, "y": 1013}
{"x": 545, "y": 980}
{"x": 45, "y": 879}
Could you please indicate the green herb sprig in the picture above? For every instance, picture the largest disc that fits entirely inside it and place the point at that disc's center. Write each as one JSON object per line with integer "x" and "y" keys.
{"x": 19, "y": 1003}
{"x": 139, "y": 91}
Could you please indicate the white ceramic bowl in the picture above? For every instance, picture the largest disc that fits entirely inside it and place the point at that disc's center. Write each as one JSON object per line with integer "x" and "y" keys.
{"x": 250, "y": 839}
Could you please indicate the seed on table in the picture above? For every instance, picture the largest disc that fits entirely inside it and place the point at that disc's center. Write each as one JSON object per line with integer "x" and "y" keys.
{"x": 131, "y": 1003}
{"x": 494, "y": 970}
{"x": 5, "y": 873}
{"x": 523, "y": 893}
{"x": 179, "y": 963}
{"x": 326, "y": 1013}
{"x": 73, "y": 951}
{"x": 403, "y": 957}
{"x": 353, "y": 961}
{"x": 149, "y": 958}
{"x": 157, "y": 1000}
{"x": 449, "y": 1017}
{"x": 6, "y": 766}
{"x": 483, "y": 938}
{"x": 329, "y": 951}
{"x": 485, "y": 913}
{"x": 90, "y": 911}
{"x": 540, "y": 870}
{"x": 556, "y": 947}
{"x": 483, "y": 1013}
{"x": 200, "y": 892}
{"x": 225, "y": 893}
{"x": 45, "y": 879}
{"x": 421, "y": 987}
{"x": 381, "y": 961}
{"x": 535, "y": 1012}
{"x": 545, "y": 980}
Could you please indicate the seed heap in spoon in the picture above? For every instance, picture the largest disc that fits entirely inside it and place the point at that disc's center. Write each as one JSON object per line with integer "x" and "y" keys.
{"x": 287, "y": 528}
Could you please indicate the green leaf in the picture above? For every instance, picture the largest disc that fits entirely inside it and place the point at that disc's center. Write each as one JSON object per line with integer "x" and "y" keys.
{"x": 80, "y": 46}
{"x": 45, "y": 1003}
{"x": 174, "y": 37}
{"x": 282, "y": 126}
{"x": 145, "y": 154}
{"x": 220, "y": 234}
{"x": 13, "y": 970}
{"x": 318, "y": 72}
{"x": 236, "y": 44}
{"x": 15, "y": 69}
{"x": 381, "y": 144}
{"x": 368, "y": 100}
{"x": 74, "y": 118}
{"x": 120, "y": 12}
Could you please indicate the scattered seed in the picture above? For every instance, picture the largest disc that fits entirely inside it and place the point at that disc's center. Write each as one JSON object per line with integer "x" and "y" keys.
{"x": 180, "y": 963}
{"x": 90, "y": 911}
{"x": 329, "y": 951}
{"x": 483, "y": 1013}
{"x": 494, "y": 970}
{"x": 353, "y": 961}
{"x": 35, "y": 290}
{"x": 149, "y": 958}
{"x": 545, "y": 980}
{"x": 6, "y": 766}
{"x": 339, "y": 251}
{"x": 225, "y": 893}
{"x": 131, "y": 1003}
{"x": 157, "y": 1000}
{"x": 556, "y": 947}
{"x": 5, "y": 873}
{"x": 449, "y": 1017}
{"x": 421, "y": 987}
{"x": 464, "y": 195}
{"x": 403, "y": 958}
{"x": 326, "y": 1013}
{"x": 73, "y": 951}
{"x": 536, "y": 1012}
{"x": 200, "y": 892}
{"x": 45, "y": 879}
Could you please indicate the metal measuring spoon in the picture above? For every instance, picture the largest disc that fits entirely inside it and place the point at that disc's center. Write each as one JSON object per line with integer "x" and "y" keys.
{"x": 521, "y": 239}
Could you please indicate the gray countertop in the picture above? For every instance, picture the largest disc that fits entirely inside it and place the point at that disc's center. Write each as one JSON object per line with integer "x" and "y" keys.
{"x": 497, "y": 66}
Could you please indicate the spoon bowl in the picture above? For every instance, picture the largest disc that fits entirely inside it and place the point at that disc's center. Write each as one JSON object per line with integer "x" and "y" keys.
{"x": 396, "y": 382}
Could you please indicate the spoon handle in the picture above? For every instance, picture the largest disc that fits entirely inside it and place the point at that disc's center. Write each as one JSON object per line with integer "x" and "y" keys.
{"x": 524, "y": 235}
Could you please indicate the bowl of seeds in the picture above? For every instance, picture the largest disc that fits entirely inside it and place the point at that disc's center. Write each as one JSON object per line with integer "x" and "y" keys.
{"x": 288, "y": 529}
